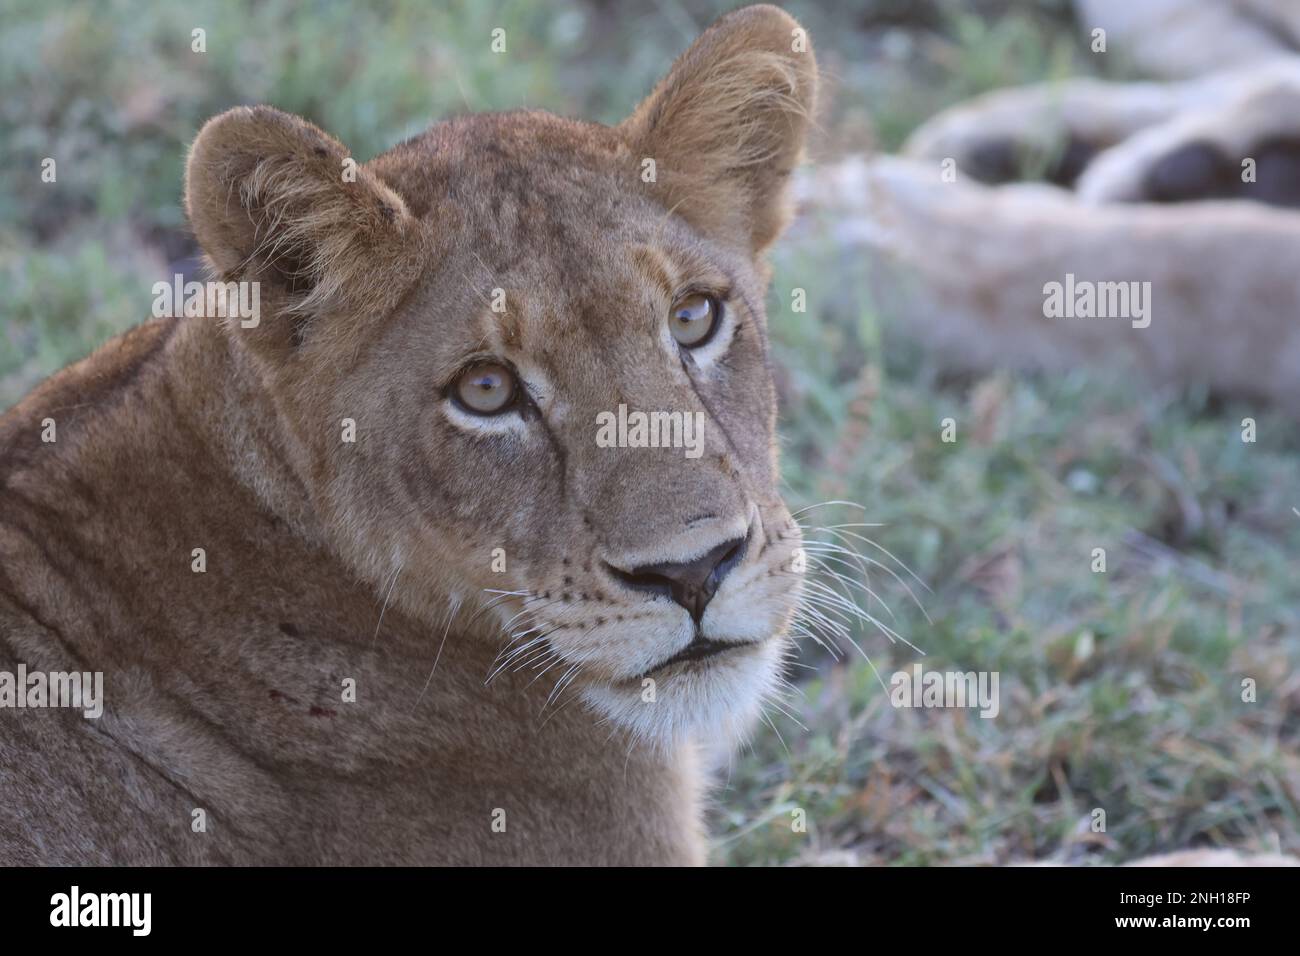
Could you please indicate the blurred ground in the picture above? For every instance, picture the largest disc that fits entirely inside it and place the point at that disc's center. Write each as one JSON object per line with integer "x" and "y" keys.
{"x": 1119, "y": 691}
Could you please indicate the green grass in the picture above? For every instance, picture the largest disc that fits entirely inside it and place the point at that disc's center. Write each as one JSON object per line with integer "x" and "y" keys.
{"x": 1120, "y": 691}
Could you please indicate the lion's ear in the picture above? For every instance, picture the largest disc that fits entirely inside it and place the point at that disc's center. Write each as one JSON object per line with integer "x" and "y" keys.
{"x": 727, "y": 125}
{"x": 273, "y": 199}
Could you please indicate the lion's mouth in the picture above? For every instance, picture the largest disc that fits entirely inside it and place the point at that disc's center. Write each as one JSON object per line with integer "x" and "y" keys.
{"x": 699, "y": 649}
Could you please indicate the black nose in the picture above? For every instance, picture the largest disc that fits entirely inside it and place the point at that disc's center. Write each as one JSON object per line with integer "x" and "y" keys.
{"x": 691, "y": 584}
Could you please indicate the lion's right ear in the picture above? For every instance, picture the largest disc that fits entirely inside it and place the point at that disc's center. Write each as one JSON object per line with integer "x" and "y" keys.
{"x": 273, "y": 199}
{"x": 727, "y": 125}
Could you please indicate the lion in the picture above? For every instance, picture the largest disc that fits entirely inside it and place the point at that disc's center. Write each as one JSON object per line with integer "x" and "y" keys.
{"x": 362, "y": 585}
{"x": 1247, "y": 147}
{"x": 1000, "y": 200}
{"x": 1109, "y": 141}
{"x": 1181, "y": 38}
{"x": 1207, "y": 290}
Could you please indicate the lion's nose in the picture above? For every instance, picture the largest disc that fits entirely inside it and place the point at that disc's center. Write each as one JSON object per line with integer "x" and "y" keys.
{"x": 691, "y": 584}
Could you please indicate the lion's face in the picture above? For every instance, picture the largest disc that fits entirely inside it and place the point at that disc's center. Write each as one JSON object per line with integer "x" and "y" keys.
{"x": 656, "y": 579}
{"x": 563, "y": 401}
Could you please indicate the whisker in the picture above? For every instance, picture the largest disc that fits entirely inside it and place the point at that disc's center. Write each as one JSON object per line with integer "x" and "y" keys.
{"x": 831, "y": 550}
{"x": 832, "y": 547}
{"x": 452, "y": 609}
{"x": 768, "y": 720}
{"x": 881, "y": 548}
{"x": 847, "y": 581}
{"x": 828, "y": 504}
{"x": 392, "y": 581}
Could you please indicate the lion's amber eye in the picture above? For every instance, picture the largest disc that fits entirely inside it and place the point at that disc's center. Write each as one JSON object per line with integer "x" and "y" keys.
{"x": 486, "y": 388}
{"x": 694, "y": 319}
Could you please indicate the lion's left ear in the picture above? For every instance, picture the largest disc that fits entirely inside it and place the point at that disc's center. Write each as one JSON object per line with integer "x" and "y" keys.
{"x": 727, "y": 125}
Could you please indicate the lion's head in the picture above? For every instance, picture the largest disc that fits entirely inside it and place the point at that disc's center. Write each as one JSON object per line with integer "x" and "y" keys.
{"x": 500, "y": 305}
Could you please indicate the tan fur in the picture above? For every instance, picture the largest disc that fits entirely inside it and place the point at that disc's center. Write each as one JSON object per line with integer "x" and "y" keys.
{"x": 1250, "y": 110}
{"x": 373, "y": 561}
{"x": 963, "y": 267}
{"x": 1028, "y": 130}
{"x": 1179, "y": 38}
{"x": 965, "y": 264}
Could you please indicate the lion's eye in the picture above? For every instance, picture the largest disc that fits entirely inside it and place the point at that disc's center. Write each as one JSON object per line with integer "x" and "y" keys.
{"x": 486, "y": 388}
{"x": 694, "y": 319}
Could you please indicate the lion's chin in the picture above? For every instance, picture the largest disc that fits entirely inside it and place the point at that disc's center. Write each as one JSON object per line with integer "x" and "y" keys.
{"x": 713, "y": 701}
